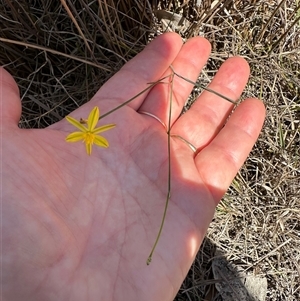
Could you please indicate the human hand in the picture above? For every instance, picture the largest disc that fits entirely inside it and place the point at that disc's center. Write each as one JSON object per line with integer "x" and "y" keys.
{"x": 79, "y": 227}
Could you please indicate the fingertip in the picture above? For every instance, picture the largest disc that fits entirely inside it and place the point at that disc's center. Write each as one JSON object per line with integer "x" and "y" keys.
{"x": 201, "y": 43}
{"x": 167, "y": 45}
{"x": 156, "y": 57}
{"x": 240, "y": 61}
{"x": 9, "y": 80}
{"x": 251, "y": 114}
{"x": 258, "y": 104}
{"x": 10, "y": 103}
{"x": 235, "y": 71}
{"x": 192, "y": 57}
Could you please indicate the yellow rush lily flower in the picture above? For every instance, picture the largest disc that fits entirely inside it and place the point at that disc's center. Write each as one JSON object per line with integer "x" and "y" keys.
{"x": 89, "y": 134}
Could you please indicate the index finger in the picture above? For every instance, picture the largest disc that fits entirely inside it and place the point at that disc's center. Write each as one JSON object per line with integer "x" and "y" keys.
{"x": 146, "y": 67}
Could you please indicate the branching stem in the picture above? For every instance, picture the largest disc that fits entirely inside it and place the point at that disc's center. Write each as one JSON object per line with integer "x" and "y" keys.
{"x": 151, "y": 85}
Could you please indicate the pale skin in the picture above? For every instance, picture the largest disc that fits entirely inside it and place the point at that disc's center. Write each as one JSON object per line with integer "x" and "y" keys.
{"x": 79, "y": 227}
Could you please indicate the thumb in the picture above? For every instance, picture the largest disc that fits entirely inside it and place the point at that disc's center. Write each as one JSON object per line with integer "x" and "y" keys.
{"x": 10, "y": 102}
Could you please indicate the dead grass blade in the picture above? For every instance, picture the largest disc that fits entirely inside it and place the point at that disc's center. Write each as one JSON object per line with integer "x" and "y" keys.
{"x": 54, "y": 52}
{"x": 65, "y": 5}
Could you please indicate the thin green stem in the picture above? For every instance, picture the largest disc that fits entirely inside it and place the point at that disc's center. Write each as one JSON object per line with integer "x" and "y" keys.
{"x": 204, "y": 88}
{"x": 151, "y": 85}
{"x": 169, "y": 175}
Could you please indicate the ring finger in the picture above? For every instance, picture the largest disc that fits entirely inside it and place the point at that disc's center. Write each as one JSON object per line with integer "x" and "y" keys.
{"x": 209, "y": 113}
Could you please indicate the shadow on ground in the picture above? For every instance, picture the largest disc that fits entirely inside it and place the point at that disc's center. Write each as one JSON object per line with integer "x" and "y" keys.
{"x": 213, "y": 277}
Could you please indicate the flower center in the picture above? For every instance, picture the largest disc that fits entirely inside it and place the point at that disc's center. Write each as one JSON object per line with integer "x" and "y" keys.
{"x": 89, "y": 138}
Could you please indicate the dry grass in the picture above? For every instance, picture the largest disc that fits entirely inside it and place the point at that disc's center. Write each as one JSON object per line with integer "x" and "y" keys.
{"x": 60, "y": 53}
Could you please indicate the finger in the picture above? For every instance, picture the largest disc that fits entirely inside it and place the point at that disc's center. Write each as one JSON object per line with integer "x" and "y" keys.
{"x": 146, "y": 67}
{"x": 208, "y": 114}
{"x": 10, "y": 103}
{"x": 219, "y": 162}
{"x": 188, "y": 63}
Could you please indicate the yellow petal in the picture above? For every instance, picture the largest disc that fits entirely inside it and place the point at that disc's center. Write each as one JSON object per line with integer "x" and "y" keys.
{"x": 88, "y": 147}
{"x": 103, "y": 128}
{"x": 76, "y": 123}
{"x": 74, "y": 137}
{"x": 101, "y": 141}
{"x": 93, "y": 118}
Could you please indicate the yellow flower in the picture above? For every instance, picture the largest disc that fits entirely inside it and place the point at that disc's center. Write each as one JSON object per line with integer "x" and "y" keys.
{"x": 89, "y": 134}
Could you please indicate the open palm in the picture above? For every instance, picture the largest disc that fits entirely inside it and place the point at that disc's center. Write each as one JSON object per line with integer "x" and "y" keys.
{"x": 79, "y": 227}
